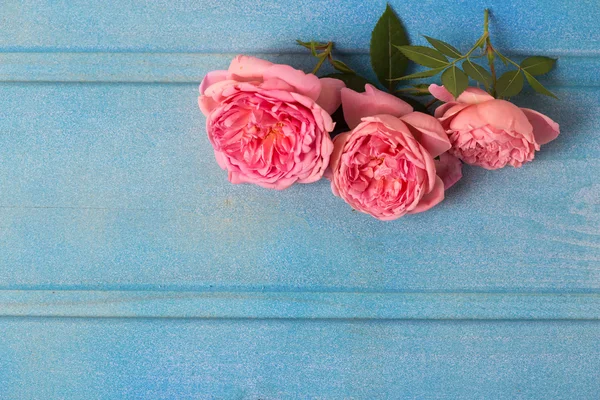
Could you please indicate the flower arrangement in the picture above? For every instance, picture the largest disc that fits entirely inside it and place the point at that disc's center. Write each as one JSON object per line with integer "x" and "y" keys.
{"x": 272, "y": 125}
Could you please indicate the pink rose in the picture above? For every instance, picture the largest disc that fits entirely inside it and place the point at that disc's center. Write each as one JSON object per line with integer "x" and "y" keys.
{"x": 385, "y": 166}
{"x": 269, "y": 123}
{"x": 491, "y": 133}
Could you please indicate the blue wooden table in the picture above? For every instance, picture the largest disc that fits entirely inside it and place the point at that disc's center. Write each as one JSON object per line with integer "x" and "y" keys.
{"x": 130, "y": 268}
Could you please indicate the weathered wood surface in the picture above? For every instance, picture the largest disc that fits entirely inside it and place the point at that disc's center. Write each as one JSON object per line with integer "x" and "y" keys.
{"x": 129, "y": 267}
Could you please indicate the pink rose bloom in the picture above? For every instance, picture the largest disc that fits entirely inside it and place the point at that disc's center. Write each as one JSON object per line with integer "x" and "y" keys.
{"x": 385, "y": 166}
{"x": 491, "y": 133}
{"x": 269, "y": 123}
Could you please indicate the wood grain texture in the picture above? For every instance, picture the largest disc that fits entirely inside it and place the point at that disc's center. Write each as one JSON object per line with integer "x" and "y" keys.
{"x": 191, "y": 67}
{"x": 130, "y": 268}
{"x": 258, "y": 359}
{"x": 114, "y": 186}
{"x": 298, "y": 305}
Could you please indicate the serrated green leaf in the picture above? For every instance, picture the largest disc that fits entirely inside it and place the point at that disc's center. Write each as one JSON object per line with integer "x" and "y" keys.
{"x": 537, "y": 86}
{"x": 424, "y": 56}
{"x": 478, "y": 73}
{"x": 510, "y": 83}
{"x": 421, "y": 74}
{"x": 387, "y": 61}
{"x": 342, "y": 67}
{"x": 538, "y": 65}
{"x": 444, "y": 47}
{"x": 455, "y": 80}
{"x": 352, "y": 81}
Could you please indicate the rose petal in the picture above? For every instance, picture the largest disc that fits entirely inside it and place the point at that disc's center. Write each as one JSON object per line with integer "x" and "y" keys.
{"x": 441, "y": 110}
{"x": 428, "y": 131}
{"x": 449, "y": 169}
{"x": 430, "y": 199}
{"x": 372, "y": 102}
{"x": 211, "y": 78}
{"x": 276, "y": 84}
{"x": 338, "y": 147}
{"x": 473, "y": 95}
{"x": 544, "y": 129}
{"x": 206, "y": 104}
{"x": 440, "y": 93}
{"x": 246, "y": 68}
{"x": 500, "y": 114}
{"x": 306, "y": 84}
{"x": 330, "y": 97}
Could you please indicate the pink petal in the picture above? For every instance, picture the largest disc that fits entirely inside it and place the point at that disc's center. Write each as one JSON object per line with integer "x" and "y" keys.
{"x": 500, "y": 114}
{"x": 306, "y": 84}
{"x": 277, "y": 84}
{"x": 449, "y": 169}
{"x": 544, "y": 129}
{"x": 221, "y": 159}
{"x": 441, "y": 110}
{"x": 372, "y": 102}
{"x": 338, "y": 148}
{"x": 246, "y": 68}
{"x": 440, "y": 93}
{"x": 330, "y": 97}
{"x": 428, "y": 131}
{"x": 430, "y": 199}
{"x": 206, "y": 104}
{"x": 211, "y": 78}
{"x": 473, "y": 95}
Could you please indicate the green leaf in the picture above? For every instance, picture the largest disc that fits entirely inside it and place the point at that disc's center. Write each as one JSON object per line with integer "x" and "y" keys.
{"x": 478, "y": 73}
{"x": 510, "y": 83}
{"x": 444, "y": 47}
{"x": 421, "y": 74}
{"x": 538, "y": 65}
{"x": 387, "y": 61}
{"x": 352, "y": 81}
{"x": 537, "y": 86}
{"x": 455, "y": 80}
{"x": 424, "y": 56}
{"x": 342, "y": 67}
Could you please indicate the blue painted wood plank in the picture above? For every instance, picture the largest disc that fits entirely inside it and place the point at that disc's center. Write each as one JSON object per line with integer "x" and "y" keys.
{"x": 114, "y": 186}
{"x": 111, "y": 205}
{"x": 166, "y": 359}
{"x": 551, "y": 27}
{"x": 298, "y": 305}
{"x": 192, "y": 67}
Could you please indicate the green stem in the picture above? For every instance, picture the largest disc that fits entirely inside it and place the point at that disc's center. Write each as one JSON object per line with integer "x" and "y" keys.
{"x": 322, "y": 57}
{"x": 489, "y": 50}
{"x": 412, "y": 90}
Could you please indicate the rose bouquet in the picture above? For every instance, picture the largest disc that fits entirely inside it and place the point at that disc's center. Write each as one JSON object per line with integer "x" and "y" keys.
{"x": 272, "y": 125}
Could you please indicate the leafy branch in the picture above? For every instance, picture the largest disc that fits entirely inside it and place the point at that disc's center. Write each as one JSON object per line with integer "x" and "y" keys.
{"x": 456, "y": 80}
{"x": 323, "y": 51}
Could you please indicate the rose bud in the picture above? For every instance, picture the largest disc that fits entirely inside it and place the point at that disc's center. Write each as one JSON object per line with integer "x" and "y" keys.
{"x": 269, "y": 123}
{"x": 385, "y": 166}
{"x": 491, "y": 133}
